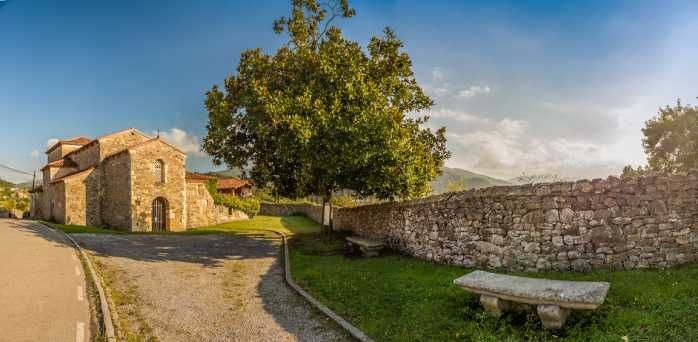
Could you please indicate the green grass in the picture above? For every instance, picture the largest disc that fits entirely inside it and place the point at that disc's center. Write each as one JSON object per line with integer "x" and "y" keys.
{"x": 288, "y": 225}
{"x": 399, "y": 298}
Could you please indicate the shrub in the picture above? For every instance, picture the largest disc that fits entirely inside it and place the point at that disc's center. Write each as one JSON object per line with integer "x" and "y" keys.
{"x": 249, "y": 206}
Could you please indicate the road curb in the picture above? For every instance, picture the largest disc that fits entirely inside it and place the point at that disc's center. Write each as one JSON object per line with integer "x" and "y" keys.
{"x": 351, "y": 329}
{"x": 97, "y": 281}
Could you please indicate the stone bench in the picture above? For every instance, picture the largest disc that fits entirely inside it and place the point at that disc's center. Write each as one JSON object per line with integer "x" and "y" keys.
{"x": 554, "y": 298}
{"x": 368, "y": 247}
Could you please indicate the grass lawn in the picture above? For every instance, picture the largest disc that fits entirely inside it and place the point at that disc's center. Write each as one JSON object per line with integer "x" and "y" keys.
{"x": 289, "y": 225}
{"x": 399, "y": 298}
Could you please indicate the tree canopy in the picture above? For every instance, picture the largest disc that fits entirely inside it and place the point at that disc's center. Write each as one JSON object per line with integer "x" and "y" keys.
{"x": 671, "y": 139}
{"x": 323, "y": 114}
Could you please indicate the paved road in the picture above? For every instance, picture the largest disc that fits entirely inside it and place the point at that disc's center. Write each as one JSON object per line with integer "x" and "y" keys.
{"x": 206, "y": 288}
{"x": 42, "y": 286}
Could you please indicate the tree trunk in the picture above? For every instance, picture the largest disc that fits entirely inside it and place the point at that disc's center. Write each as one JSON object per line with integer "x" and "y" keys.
{"x": 326, "y": 225}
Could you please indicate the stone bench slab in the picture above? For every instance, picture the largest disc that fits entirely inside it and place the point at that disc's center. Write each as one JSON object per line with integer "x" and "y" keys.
{"x": 367, "y": 246}
{"x": 568, "y": 294}
{"x": 365, "y": 242}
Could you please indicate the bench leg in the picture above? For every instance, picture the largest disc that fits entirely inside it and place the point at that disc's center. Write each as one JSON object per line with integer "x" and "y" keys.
{"x": 552, "y": 316}
{"x": 367, "y": 252}
{"x": 494, "y": 306}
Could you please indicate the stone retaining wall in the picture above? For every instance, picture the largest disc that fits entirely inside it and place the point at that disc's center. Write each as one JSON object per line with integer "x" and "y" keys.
{"x": 202, "y": 210}
{"x": 286, "y": 209}
{"x": 649, "y": 222}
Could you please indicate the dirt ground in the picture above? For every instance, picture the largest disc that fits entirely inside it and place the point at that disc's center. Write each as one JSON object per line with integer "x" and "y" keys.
{"x": 204, "y": 288}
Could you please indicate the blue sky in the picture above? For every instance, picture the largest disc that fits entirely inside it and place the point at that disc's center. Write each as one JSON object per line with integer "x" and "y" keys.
{"x": 535, "y": 87}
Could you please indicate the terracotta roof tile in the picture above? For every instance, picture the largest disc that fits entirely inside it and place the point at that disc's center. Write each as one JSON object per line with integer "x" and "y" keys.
{"x": 65, "y": 162}
{"x": 193, "y": 176}
{"x": 80, "y": 141}
{"x": 232, "y": 183}
{"x": 73, "y": 174}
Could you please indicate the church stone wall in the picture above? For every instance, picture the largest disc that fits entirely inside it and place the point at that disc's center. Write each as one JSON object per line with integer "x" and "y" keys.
{"x": 145, "y": 187}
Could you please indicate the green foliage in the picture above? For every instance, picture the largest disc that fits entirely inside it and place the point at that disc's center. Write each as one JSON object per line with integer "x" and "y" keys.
{"x": 5, "y": 184}
{"x": 671, "y": 139}
{"x": 629, "y": 171}
{"x": 455, "y": 185}
{"x": 249, "y": 206}
{"x": 399, "y": 298}
{"x": 324, "y": 114}
{"x": 344, "y": 201}
{"x": 289, "y": 225}
{"x": 212, "y": 186}
{"x": 11, "y": 200}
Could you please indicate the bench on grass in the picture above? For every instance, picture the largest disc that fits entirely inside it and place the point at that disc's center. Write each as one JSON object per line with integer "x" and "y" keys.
{"x": 554, "y": 298}
{"x": 368, "y": 247}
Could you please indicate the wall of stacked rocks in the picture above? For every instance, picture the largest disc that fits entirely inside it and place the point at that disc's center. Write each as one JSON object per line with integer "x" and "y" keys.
{"x": 287, "y": 209}
{"x": 630, "y": 223}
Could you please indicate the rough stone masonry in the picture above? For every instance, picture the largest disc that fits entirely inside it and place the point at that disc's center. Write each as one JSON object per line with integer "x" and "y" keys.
{"x": 630, "y": 223}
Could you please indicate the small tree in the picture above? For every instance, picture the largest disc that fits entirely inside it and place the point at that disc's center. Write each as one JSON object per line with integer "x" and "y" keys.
{"x": 322, "y": 114}
{"x": 671, "y": 139}
{"x": 630, "y": 171}
{"x": 455, "y": 185}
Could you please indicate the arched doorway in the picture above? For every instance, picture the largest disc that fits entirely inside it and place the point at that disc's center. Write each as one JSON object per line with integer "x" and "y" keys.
{"x": 159, "y": 214}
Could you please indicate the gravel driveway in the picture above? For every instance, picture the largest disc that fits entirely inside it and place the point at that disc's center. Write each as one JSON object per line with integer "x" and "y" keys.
{"x": 204, "y": 288}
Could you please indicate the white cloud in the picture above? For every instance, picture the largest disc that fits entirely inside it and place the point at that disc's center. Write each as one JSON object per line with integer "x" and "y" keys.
{"x": 189, "y": 144}
{"x": 473, "y": 91}
{"x": 51, "y": 142}
{"x": 459, "y": 116}
{"x": 35, "y": 154}
{"x": 437, "y": 75}
{"x": 507, "y": 148}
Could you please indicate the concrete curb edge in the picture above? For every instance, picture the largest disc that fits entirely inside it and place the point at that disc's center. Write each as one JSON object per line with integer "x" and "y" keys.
{"x": 354, "y": 331}
{"x": 97, "y": 281}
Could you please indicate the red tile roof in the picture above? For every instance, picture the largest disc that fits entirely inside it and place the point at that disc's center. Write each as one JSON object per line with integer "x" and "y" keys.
{"x": 65, "y": 162}
{"x": 193, "y": 176}
{"x": 73, "y": 174}
{"x": 232, "y": 183}
{"x": 79, "y": 141}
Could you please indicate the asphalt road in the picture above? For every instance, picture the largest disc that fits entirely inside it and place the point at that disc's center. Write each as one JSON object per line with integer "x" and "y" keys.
{"x": 42, "y": 285}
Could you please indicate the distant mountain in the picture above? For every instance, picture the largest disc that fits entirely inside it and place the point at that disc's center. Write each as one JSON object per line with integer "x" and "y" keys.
{"x": 469, "y": 180}
{"x": 236, "y": 173}
{"x": 26, "y": 185}
{"x": 6, "y": 184}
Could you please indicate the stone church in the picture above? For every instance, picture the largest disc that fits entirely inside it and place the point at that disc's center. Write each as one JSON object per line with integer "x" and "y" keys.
{"x": 124, "y": 180}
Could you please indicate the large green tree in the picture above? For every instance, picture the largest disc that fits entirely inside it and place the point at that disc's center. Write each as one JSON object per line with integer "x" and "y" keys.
{"x": 324, "y": 114}
{"x": 671, "y": 139}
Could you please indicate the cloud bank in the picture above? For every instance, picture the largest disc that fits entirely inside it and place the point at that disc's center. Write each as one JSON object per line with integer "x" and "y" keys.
{"x": 188, "y": 143}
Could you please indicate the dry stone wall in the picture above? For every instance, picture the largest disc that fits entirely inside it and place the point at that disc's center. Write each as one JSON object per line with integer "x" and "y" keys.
{"x": 286, "y": 209}
{"x": 649, "y": 222}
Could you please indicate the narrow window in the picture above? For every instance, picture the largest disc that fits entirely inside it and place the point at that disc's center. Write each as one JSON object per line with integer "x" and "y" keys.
{"x": 159, "y": 171}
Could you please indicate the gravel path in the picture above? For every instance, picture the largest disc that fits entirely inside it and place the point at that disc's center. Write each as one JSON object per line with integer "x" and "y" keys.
{"x": 205, "y": 288}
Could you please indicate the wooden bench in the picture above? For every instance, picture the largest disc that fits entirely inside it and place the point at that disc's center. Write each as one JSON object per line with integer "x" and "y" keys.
{"x": 554, "y": 298}
{"x": 367, "y": 247}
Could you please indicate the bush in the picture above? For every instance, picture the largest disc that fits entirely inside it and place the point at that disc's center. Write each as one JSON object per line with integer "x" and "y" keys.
{"x": 249, "y": 206}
